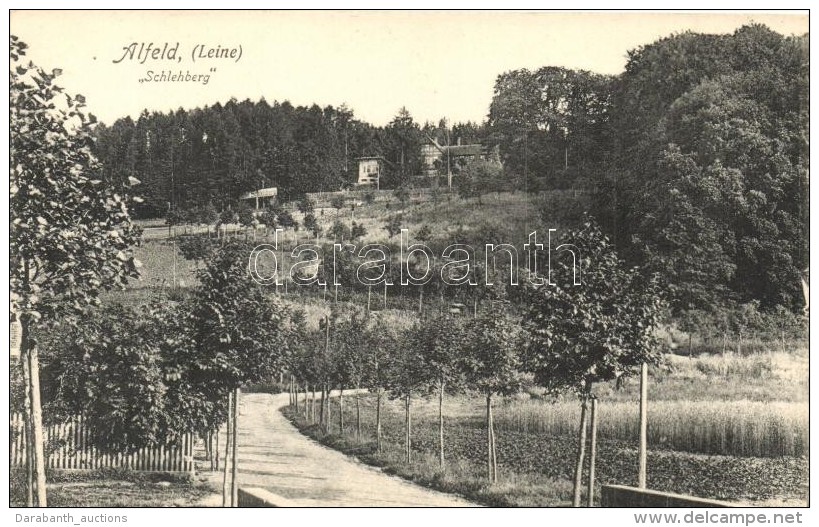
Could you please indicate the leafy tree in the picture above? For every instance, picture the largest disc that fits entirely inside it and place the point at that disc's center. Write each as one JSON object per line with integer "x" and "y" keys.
{"x": 347, "y": 360}
{"x": 118, "y": 370}
{"x": 270, "y": 220}
{"x": 477, "y": 178}
{"x": 383, "y": 341}
{"x": 245, "y": 216}
{"x": 491, "y": 365}
{"x": 339, "y": 230}
{"x": 710, "y": 185}
{"x": 357, "y": 231}
{"x": 337, "y": 202}
{"x": 407, "y": 376}
{"x": 226, "y": 217}
{"x": 286, "y": 220}
{"x": 306, "y": 205}
{"x": 437, "y": 343}
{"x": 207, "y": 215}
{"x": 70, "y": 234}
{"x": 240, "y": 335}
{"x": 196, "y": 247}
{"x": 311, "y": 224}
{"x": 603, "y": 329}
{"x": 552, "y": 124}
{"x": 393, "y": 226}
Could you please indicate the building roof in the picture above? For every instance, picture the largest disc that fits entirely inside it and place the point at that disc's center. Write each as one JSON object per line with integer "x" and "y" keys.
{"x": 270, "y": 192}
{"x": 464, "y": 150}
{"x": 369, "y": 158}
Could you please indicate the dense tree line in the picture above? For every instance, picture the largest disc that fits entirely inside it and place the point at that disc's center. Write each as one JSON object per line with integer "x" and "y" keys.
{"x": 210, "y": 156}
{"x": 696, "y": 157}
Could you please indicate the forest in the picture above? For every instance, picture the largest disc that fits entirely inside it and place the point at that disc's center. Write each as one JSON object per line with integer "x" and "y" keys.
{"x": 695, "y": 157}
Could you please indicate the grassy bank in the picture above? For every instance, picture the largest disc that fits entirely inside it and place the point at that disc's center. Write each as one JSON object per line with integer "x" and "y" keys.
{"x": 113, "y": 488}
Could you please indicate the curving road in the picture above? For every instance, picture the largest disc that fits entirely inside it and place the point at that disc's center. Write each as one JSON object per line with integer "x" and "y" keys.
{"x": 273, "y": 455}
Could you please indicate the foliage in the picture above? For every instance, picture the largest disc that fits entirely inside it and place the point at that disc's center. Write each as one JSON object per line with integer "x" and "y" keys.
{"x": 552, "y": 123}
{"x": 491, "y": 360}
{"x": 311, "y": 224}
{"x": 110, "y": 370}
{"x": 339, "y": 230}
{"x": 337, "y": 202}
{"x": 270, "y": 219}
{"x": 306, "y": 205}
{"x": 711, "y": 184}
{"x": 240, "y": 335}
{"x": 479, "y": 177}
{"x": 357, "y": 231}
{"x": 245, "y": 215}
{"x": 70, "y": 234}
{"x": 600, "y": 330}
{"x": 286, "y": 220}
{"x": 196, "y": 247}
{"x": 393, "y": 226}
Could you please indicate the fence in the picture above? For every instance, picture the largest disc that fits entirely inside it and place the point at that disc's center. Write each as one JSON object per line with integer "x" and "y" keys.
{"x": 622, "y": 496}
{"x": 68, "y": 446}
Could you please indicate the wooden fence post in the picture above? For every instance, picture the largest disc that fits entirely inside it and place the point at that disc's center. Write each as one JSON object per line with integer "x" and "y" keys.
{"x": 234, "y": 487}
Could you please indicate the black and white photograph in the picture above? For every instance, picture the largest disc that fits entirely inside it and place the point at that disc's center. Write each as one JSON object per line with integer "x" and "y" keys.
{"x": 409, "y": 258}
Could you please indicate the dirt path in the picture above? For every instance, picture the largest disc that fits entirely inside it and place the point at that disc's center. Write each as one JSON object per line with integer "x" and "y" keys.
{"x": 273, "y": 455}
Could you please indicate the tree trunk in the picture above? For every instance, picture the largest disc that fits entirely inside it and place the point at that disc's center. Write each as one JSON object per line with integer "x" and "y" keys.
{"x": 421, "y": 302}
{"x": 643, "y": 448}
{"x": 378, "y": 420}
{"x": 234, "y": 485}
{"x": 306, "y": 408}
{"x": 357, "y": 416}
{"x": 494, "y": 447}
{"x": 321, "y": 409}
{"x": 216, "y": 449}
{"x": 690, "y": 351}
{"x": 408, "y": 428}
{"x": 227, "y": 451}
{"x": 28, "y": 350}
{"x": 592, "y": 452}
{"x": 28, "y": 438}
{"x": 341, "y": 412}
{"x": 581, "y": 453}
{"x": 489, "y": 458}
{"x": 441, "y": 424}
{"x": 328, "y": 420}
{"x": 209, "y": 443}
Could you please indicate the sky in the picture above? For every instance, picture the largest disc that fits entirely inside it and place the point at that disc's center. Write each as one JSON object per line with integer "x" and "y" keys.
{"x": 436, "y": 64}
